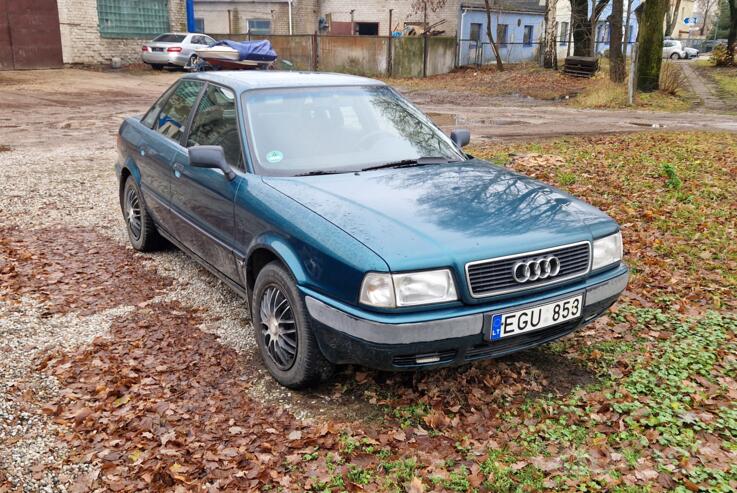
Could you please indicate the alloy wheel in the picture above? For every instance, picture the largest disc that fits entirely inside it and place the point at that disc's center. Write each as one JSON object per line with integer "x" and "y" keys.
{"x": 278, "y": 328}
{"x": 133, "y": 212}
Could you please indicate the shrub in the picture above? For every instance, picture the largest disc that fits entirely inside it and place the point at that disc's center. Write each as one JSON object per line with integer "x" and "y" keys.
{"x": 720, "y": 56}
{"x": 672, "y": 79}
{"x": 673, "y": 181}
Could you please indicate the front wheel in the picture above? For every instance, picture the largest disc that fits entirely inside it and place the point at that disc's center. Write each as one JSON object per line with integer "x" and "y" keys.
{"x": 283, "y": 332}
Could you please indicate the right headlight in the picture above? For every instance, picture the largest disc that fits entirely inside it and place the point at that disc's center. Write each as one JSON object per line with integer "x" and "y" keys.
{"x": 386, "y": 290}
{"x": 607, "y": 251}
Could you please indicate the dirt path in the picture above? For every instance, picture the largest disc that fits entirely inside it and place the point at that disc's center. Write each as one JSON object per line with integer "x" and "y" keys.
{"x": 703, "y": 88}
{"x": 512, "y": 117}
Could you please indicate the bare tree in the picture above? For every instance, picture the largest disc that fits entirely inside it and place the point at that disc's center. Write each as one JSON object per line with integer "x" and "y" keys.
{"x": 732, "y": 36}
{"x": 616, "y": 57}
{"x": 706, "y": 7}
{"x": 425, "y": 6}
{"x": 671, "y": 17}
{"x": 650, "y": 17}
{"x": 596, "y": 12}
{"x": 550, "y": 58}
{"x": 494, "y": 47}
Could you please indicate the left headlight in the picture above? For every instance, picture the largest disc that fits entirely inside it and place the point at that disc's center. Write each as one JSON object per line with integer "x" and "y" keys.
{"x": 414, "y": 288}
{"x": 607, "y": 250}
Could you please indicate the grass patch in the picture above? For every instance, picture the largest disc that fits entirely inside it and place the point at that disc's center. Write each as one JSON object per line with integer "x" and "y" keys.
{"x": 605, "y": 94}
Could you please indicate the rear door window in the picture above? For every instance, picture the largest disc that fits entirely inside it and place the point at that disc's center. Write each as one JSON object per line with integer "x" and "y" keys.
{"x": 215, "y": 123}
{"x": 150, "y": 117}
{"x": 173, "y": 116}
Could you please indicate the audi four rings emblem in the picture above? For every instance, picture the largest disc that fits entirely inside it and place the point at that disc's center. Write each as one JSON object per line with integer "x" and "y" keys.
{"x": 536, "y": 268}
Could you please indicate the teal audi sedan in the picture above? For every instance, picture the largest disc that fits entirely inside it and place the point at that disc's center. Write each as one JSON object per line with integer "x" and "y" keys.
{"x": 357, "y": 231}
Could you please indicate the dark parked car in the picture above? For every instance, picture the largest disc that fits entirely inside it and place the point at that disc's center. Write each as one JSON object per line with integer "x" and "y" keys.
{"x": 356, "y": 229}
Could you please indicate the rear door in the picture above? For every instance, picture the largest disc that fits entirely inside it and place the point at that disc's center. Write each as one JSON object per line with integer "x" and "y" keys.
{"x": 167, "y": 121}
{"x": 202, "y": 198}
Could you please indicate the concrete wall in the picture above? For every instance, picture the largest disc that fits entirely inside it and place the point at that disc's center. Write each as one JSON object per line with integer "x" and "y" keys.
{"x": 365, "y": 55}
{"x": 215, "y": 15}
{"x": 515, "y": 50}
{"x": 80, "y": 36}
{"x": 378, "y": 11}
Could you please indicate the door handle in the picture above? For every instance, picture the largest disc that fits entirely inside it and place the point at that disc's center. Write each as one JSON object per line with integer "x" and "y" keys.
{"x": 178, "y": 168}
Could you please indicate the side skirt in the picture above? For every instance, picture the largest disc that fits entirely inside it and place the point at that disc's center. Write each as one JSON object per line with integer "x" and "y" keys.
{"x": 238, "y": 289}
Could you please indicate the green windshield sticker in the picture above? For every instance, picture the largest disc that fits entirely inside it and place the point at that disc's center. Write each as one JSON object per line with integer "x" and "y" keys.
{"x": 274, "y": 156}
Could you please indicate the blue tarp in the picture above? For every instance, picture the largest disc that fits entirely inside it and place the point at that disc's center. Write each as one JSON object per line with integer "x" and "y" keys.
{"x": 258, "y": 51}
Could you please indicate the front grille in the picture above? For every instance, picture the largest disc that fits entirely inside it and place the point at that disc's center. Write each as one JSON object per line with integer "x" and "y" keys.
{"x": 495, "y": 276}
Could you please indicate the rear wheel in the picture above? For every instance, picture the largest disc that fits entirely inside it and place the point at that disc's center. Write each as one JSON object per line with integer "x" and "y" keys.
{"x": 283, "y": 332}
{"x": 675, "y": 56}
{"x": 141, "y": 229}
{"x": 157, "y": 66}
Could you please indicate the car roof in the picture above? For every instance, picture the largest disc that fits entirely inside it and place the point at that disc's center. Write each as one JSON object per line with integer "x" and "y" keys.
{"x": 243, "y": 80}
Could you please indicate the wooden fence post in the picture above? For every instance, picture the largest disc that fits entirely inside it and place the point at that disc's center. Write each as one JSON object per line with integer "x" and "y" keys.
{"x": 315, "y": 58}
{"x": 632, "y": 79}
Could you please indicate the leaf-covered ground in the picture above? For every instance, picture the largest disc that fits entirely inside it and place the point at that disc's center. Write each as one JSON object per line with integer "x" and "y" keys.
{"x": 641, "y": 400}
{"x": 517, "y": 79}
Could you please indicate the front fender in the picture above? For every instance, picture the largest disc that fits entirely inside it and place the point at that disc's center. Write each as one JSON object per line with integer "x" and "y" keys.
{"x": 279, "y": 246}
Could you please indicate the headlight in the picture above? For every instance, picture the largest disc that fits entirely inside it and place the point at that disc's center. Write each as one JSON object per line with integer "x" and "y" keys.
{"x": 415, "y": 288}
{"x": 607, "y": 251}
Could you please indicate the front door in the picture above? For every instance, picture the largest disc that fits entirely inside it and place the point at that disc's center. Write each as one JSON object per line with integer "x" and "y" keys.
{"x": 202, "y": 198}
{"x": 167, "y": 120}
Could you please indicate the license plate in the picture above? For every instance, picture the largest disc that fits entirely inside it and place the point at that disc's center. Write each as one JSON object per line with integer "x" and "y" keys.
{"x": 536, "y": 318}
{"x": 157, "y": 49}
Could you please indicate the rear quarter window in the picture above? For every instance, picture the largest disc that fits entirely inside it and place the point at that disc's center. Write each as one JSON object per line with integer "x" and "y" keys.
{"x": 170, "y": 38}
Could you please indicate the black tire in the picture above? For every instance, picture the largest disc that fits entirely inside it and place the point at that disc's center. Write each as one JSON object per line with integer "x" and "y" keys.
{"x": 157, "y": 66}
{"x": 141, "y": 228}
{"x": 306, "y": 366}
{"x": 675, "y": 56}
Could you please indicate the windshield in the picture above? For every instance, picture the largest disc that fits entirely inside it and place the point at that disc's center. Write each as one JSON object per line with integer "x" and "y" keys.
{"x": 339, "y": 129}
{"x": 170, "y": 38}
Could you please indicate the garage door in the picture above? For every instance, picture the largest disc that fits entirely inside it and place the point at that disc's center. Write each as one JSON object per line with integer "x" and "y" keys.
{"x": 29, "y": 34}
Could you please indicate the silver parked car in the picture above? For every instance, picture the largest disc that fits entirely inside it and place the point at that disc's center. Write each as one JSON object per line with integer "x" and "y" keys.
{"x": 174, "y": 49}
{"x": 673, "y": 49}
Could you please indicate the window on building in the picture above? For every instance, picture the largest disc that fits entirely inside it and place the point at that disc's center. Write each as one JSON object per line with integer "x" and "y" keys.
{"x": 132, "y": 18}
{"x": 475, "y": 34}
{"x": 527, "y": 37}
{"x": 367, "y": 28}
{"x": 199, "y": 24}
{"x": 563, "y": 33}
{"x": 501, "y": 34}
{"x": 259, "y": 26}
{"x": 215, "y": 124}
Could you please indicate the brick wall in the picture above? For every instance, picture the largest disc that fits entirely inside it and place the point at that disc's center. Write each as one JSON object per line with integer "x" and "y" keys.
{"x": 80, "y": 36}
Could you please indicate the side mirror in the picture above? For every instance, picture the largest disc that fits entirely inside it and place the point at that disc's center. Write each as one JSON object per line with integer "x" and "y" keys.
{"x": 461, "y": 137}
{"x": 210, "y": 157}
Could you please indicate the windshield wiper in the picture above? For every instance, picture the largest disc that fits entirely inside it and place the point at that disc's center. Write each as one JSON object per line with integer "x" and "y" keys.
{"x": 319, "y": 172}
{"x": 406, "y": 163}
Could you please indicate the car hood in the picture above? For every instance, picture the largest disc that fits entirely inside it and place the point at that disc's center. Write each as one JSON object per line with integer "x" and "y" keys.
{"x": 446, "y": 215}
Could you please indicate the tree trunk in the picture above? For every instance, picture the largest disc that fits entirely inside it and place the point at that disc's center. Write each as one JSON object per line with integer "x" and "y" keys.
{"x": 627, "y": 30}
{"x": 616, "y": 58}
{"x": 732, "y": 36}
{"x": 672, "y": 18}
{"x": 597, "y": 9}
{"x": 580, "y": 27}
{"x": 550, "y": 59}
{"x": 650, "y": 15}
{"x": 494, "y": 48}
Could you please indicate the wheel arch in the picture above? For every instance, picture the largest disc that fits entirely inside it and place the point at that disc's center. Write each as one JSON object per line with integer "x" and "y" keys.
{"x": 129, "y": 168}
{"x": 267, "y": 249}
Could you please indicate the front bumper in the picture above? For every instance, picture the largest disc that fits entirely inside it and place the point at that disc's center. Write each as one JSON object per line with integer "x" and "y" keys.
{"x": 346, "y": 338}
